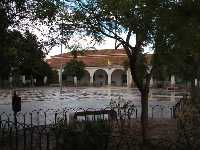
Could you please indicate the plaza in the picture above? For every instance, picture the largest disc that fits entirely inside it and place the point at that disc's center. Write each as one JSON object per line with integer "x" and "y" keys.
{"x": 103, "y": 75}
{"x": 50, "y": 100}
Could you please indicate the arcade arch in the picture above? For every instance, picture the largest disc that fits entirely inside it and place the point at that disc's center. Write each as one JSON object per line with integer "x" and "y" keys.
{"x": 119, "y": 77}
{"x": 85, "y": 80}
{"x": 100, "y": 77}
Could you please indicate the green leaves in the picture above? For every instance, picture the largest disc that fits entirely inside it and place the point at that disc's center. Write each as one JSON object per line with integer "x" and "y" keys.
{"x": 46, "y": 9}
{"x": 74, "y": 68}
{"x": 176, "y": 40}
{"x": 23, "y": 55}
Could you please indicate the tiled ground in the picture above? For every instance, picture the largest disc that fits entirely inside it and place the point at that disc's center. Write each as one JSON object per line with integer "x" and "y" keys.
{"x": 50, "y": 98}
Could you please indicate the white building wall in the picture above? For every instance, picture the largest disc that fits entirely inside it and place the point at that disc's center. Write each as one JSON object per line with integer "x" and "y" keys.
{"x": 109, "y": 70}
{"x": 109, "y": 77}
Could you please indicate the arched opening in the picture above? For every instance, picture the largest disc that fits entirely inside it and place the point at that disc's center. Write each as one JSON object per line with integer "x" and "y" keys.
{"x": 85, "y": 80}
{"x": 100, "y": 77}
{"x": 119, "y": 78}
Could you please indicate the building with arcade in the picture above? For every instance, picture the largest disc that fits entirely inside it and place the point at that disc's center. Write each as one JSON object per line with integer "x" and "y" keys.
{"x": 103, "y": 67}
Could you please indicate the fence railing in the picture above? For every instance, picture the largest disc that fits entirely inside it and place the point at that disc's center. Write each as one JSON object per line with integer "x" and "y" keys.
{"x": 49, "y": 116}
{"x": 62, "y": 129}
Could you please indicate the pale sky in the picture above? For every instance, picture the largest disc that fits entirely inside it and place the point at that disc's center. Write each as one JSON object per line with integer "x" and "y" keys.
{"x": 85, "y": 42}
{"x": 107, "y": 44}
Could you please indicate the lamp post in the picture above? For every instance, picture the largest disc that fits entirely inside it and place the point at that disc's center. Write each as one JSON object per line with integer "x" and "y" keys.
{"x": 61, "y": 68}
{"x": 61, "y": 49}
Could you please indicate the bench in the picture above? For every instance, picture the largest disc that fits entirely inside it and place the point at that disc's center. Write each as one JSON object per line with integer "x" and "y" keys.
{"x": 112, "y": 115}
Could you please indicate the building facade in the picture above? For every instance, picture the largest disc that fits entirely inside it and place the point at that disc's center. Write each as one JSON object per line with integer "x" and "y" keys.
{"x": 103, "y": 67}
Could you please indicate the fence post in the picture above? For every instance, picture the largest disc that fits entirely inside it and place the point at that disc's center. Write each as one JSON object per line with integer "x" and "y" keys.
{"x": 174, "y": 111}
{"x": 45, "y": 119}
{"x": 10, "y": 138}
{"x": 0, "y": 122}
{"x": 31, "y": 139}
{"x": 136, "y": 113}
{"x": 16, "y": 137}
{"x": 15, "y": 119}
{"x": 38, "y": 118}
{"x": 47, "y": 148}
{"x": 24, "y": 128}
{"x": 40, "y": 141}
{"x": 55, "y": 118}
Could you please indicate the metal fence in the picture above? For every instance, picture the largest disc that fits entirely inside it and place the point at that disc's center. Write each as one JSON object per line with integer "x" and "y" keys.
{"x": 51, "y": 116}
{"x": 64, "y": 129}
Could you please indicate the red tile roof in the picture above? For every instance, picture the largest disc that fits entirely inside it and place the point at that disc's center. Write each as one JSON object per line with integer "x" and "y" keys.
{"x": 91, "y": 58}
{"x": 94, "y": 58}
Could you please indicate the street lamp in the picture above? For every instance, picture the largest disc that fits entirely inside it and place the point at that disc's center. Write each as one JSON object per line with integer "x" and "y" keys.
{"x": 61, "y": 49}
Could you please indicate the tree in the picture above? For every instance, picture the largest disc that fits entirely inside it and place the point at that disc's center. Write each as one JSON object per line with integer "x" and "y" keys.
{"x": 24, "y": 56}
{"x": 17, "y": 14}
{"x": 30, "y": 59}
{"x": 177, "y": 40}
{"x": 9, "y": 53}
{"x": 74, "y": 68}
{"x": 113, "y": 19}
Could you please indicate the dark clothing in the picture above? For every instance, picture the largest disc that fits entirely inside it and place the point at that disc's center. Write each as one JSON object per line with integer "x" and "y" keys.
{"x": 16, "y": 103}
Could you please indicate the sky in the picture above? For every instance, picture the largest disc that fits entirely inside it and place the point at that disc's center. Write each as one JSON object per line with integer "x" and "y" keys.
{"x": 85, "y": 42}
{"x": 43, "y": 32}
{"x": 107, "y": 44}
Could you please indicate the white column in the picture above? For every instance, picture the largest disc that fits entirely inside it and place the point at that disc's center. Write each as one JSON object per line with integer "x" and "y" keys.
{"x": 151, "y": 82}
{"x": 172, "y": 80}
{"x": 91, "y": 80}
{"x": 109, "y": 76}
{"x": 24, "y": 79}
{"x": 196, "y": 82}
{"x": 59, "y": 75}
{"x": 75, "y": 81}
{"x": 129, "y": 78}
{"x": 11, "y": 79}
{"x": 91, "y": 77}
{"x": 35, "y": 80}
{"x": 45, "y": 80}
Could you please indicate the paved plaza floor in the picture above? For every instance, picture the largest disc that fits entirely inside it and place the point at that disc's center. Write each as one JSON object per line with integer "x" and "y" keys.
{"x": 50, "y": 98}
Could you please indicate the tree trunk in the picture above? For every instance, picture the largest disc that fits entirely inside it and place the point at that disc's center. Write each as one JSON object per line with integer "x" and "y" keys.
{"x": 144, "y": 115}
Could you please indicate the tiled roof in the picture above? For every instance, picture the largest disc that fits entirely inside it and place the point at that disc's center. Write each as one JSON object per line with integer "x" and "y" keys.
{"x": 91, "y": 58}
{"x": 96, "y": 52}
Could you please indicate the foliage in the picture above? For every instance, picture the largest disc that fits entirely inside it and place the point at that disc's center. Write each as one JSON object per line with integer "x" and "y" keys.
{"x": 17, "y": 51}
{"x": 74, "y": 68}
{"x": 86, "y": 135}
{"x": 114, "y": 19}
{"x": 23, "y": 14}
{"x": 30, "y": 54}
{"x": 53, "y": 77}
{"x": 14, "y": 11}
{"x": 188, "y": 131}
{"x": 23, "y": 56}
{"x": 162, "y": 24}
{"x": 76, "y": 50}
{"x": 177, "y": 39}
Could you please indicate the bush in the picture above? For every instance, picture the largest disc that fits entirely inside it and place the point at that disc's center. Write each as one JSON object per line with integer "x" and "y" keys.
{"x": 188, "y": 129}
{"x": 84, "y": 136}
